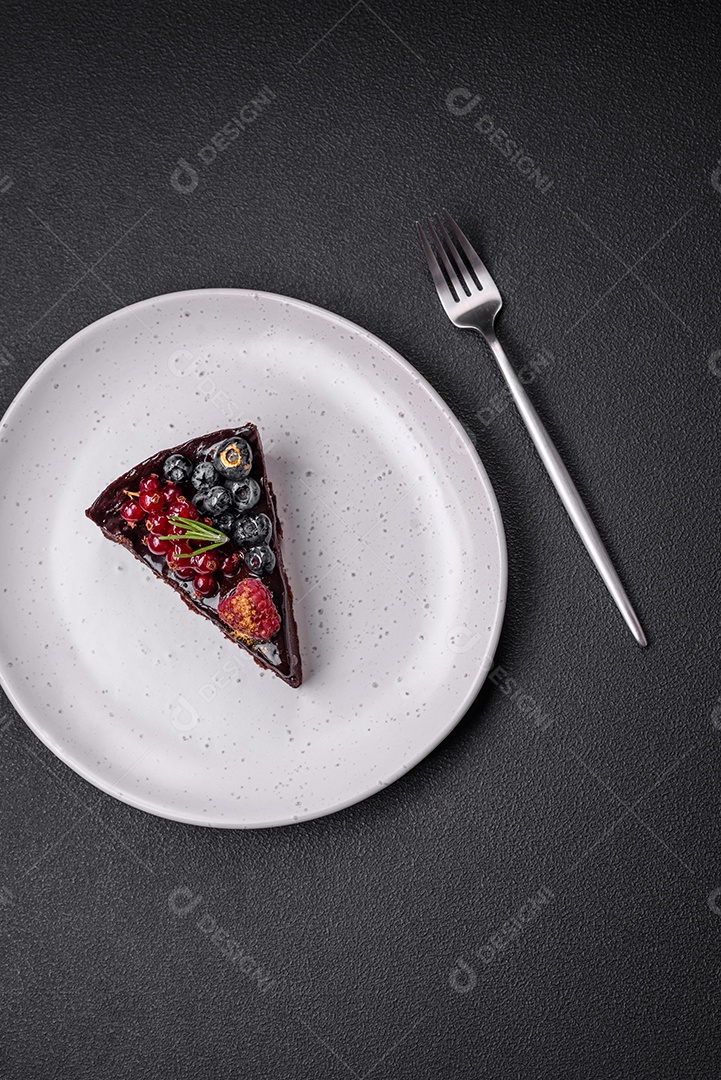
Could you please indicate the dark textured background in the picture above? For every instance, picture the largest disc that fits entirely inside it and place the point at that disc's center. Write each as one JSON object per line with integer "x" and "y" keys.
{"x": 383, "y": 926}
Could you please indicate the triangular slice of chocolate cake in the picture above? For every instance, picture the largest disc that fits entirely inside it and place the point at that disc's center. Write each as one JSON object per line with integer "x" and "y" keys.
{"x": 203, "y": 517}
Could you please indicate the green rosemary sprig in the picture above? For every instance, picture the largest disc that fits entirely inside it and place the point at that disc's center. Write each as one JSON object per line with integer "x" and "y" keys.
{"x": 196, "y": 530}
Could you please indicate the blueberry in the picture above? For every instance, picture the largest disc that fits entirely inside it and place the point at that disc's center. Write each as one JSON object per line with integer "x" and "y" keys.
{"x": 260, "y": 560}
{"x": 225, "y": 522}
{"x": 204, "y": 475}
{"x": 245, "y": 493}
{"x": 200, "y": 496}
{"x": 252, "y": 529}
{"x": 177, "y": 468}
{"x": 217, "y": 500}
{"x": 233, "y": 459}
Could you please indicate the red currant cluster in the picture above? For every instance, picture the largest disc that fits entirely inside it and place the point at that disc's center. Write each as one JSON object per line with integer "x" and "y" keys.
{"x": 154, "y": 504}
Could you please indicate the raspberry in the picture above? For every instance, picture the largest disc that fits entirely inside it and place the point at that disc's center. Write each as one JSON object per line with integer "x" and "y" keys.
{"x": 249, "y": 611}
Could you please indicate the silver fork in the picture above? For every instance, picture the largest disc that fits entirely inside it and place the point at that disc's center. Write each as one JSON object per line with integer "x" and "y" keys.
{"x": 471, "y": 300}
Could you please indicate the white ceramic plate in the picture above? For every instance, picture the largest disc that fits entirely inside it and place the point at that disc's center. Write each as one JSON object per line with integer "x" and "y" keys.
{"x": 393, "y": 544}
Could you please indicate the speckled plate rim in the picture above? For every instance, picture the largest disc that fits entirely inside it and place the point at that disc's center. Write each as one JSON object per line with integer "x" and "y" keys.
{"x": 45, "y": 370}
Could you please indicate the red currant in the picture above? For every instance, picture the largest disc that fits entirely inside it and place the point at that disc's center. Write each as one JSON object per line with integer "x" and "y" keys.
{"x": 150, "y": 483}
{"x": 231, "y": 564}
{"x": 172, "y": 492}
{"x": 207, "y": 563}
{"x": 158, "y": 546}
{"x": 181, "y": 547}
{"x": 158, "y": 524}
{"x": 181, "y": 567}
{"x": 182, "y": 508}
{"x": 184, "y": 572}
{"x": 205, "y": 585}
{"x": 151, "y": 501}
{"x": 132, "y": 512}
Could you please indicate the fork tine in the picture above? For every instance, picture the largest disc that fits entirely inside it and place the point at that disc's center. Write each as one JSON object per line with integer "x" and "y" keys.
{"x": 479, "y": 267}
{"x": 450, "y": 268}
{"x": 439, "y": 281}
{"x": 462, "y": 269}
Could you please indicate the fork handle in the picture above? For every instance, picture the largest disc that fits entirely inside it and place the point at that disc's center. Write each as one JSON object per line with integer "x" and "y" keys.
{"x": 566, "y": 489}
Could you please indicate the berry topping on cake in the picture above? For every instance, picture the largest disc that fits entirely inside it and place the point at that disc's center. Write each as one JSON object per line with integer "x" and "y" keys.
{"x": 152, "y": 502}
{"x": 245, "y": 493}
{"x": 150, "y": 484}
{"x": 172, "y": 492}
{"x": 225, "y": 522}
{"x": 158, "y": 524}
{"x": 207, "y": 563}
{"x": 177, "y": 468}
{"x": 156, "y": 545}
{"x": 252, "y": 529}
{"x": 132, "y": 511}
{"x": 249, "y": 611}
{"x": 217, "y": 500}
{"x": 233, "y": 458}
{"x": 260, "y": 560}
{"x": 205, "y": 585}
{"x": 179, "y": 561}
{"x": 204, "y": 475}
{"x": 231, "y": 564}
